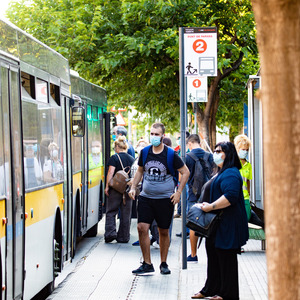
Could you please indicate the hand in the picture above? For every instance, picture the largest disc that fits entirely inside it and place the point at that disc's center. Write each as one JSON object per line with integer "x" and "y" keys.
{"x": 175, "y": 198}
{"x": 207, "y": 207}
{"x": 131, "y": 193}
{"x": 106, "y": 191}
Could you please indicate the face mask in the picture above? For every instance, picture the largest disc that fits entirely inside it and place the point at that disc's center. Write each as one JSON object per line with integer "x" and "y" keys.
{"x": 243, "y": 154}
{"x": 54, "y": 153}
{"x": 95, "y": 150}
{"x": 155, "y": 140}
{"x": 218, "y": 159}
{"x": 114, "y": 137}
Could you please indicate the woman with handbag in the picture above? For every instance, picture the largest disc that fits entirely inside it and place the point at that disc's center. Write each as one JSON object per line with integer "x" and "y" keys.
{"x": 226, "y": 193}
{"x": 116, "y": 200}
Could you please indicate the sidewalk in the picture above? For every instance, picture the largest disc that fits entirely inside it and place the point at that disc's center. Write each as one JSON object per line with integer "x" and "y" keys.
{"x": 104, "y": 272}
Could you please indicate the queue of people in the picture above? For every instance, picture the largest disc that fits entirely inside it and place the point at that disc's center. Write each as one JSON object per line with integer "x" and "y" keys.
{"x": 226, "y": 188}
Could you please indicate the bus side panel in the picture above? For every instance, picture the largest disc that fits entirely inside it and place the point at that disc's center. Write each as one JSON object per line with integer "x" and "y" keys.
{"x": 39, "y": 232}
{"x": 95, "y": 177}
{"x": 2, "y": 244}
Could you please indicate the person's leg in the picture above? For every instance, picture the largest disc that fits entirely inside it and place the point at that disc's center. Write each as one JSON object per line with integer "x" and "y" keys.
{"x": 123, "y": 234}
{"x": 143, "y": 230}
{"x": 229, "y": 288}
{"x": 193, "y": 241}
{"x": 112, "y": 206}
{"x": 164, "y": 243}
{"x": 154, "y": 231}
{"x": 213, "y": 281}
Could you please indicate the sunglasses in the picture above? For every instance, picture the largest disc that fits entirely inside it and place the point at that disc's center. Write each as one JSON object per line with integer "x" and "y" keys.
{"x": 218, "y": 151}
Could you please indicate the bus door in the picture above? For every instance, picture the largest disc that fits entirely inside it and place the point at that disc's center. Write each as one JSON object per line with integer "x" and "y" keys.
{"x": 13, "y": 166}
{"x": 85, "y": 179}
{"x": 68, "y": 192}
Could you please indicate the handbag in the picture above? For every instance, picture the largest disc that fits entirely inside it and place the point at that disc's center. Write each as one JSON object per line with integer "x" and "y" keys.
{"x": 120, "y": 179}
{"x": 203, "y": 223}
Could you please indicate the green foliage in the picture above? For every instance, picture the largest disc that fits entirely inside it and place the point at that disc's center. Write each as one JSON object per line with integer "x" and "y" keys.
{"x": 131, "y": 47}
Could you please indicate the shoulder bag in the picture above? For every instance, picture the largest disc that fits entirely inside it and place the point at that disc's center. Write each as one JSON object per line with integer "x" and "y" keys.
{"x": 203, "y": 223}
{"x": 120, "y": 179}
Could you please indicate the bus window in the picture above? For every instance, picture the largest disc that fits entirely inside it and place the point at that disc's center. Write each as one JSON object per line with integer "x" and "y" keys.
{"x": 95, "y": 140}
{"x": 41, "y": 91}
{"x": 28, "y": 90}
{"x": 2, "y": 174}
{"x": 54, "y": 93}
{"x": 78, "y": 124}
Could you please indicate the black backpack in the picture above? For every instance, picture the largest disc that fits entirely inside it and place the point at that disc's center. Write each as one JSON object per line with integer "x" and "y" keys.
{"x": 202, "y": 172}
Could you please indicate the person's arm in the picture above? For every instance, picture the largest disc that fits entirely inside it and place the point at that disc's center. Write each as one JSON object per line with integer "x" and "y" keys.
{"x": 109, "y": 176}
{"x": 220, "y": 203}
{"x": 184, "y": 176}
{"x": 137, "y": 178}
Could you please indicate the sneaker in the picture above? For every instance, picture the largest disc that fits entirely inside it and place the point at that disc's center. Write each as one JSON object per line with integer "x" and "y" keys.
{"x": 180, "y": 234}
{"x": 192, "y": 259}
{"x": 155, "y": 245}
{"x": 137, "y": 243}
{"x": 164, "y": 269}
{"x": 177, "y": 216}
{"x": 143, "y": 269}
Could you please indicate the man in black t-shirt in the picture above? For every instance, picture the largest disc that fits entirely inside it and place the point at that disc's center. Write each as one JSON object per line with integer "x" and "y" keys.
{"x": 157, "y": 198}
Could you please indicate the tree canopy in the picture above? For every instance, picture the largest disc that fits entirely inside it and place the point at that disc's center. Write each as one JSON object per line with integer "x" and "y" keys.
{"x": 131, "y": 47}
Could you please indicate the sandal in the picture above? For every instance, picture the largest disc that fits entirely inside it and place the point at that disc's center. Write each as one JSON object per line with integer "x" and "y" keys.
{"x": 198, "y": 296}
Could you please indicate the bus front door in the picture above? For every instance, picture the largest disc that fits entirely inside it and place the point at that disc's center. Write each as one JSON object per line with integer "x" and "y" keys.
{"x": 10, "y": 117}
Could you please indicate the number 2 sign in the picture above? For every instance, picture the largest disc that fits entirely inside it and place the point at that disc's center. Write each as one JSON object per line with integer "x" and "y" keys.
{"x": 200, "y": 51}
{"x": 199, "y": 46}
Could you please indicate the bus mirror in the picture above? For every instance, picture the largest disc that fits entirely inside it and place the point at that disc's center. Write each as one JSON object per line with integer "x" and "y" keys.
{"x": 78, "y": 121}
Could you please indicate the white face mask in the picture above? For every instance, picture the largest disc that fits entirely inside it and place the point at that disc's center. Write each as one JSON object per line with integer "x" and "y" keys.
{"x": 54, "y": 153}
{"x": 243, "y": 154}
{"x": 218, "y": 159}
{"x": 95, "y": 150}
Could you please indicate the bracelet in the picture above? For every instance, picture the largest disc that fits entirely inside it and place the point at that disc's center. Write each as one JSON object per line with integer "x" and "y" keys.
{"x": 178, "y": 192}
{"x": 213, "y": 205}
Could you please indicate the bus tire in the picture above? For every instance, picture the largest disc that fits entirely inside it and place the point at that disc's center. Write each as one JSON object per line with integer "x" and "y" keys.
{"x": 75, "y": 230}
{"x": 92, "y": 232}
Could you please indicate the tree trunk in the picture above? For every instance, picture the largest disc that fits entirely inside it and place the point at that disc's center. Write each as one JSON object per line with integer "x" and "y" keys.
{"x": 278, "y": 39}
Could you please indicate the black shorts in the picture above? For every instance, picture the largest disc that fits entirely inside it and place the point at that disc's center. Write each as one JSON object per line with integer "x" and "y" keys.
{"x": 161, "y": 210}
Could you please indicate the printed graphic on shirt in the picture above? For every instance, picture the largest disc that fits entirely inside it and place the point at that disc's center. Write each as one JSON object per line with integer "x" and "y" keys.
{"x": 155, "y": 171}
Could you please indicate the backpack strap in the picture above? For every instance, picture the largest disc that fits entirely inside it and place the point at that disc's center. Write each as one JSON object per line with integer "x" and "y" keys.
{"x": 170, "y": 161}
{"x": 145, "y": 152}
{"x": 193, "y": 156}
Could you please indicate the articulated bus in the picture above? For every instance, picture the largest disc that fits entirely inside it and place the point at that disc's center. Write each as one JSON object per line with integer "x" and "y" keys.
{"x": 54, "y": 130}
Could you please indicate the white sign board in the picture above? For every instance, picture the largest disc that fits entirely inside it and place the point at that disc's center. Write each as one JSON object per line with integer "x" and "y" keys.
{"x": 200, "y": 51}
{"x": 196, "y": 88}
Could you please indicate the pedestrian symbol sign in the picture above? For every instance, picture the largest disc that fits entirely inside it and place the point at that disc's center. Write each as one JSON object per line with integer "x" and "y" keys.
{"x": 196, "y": 88}
{"x": 200, "y": 51}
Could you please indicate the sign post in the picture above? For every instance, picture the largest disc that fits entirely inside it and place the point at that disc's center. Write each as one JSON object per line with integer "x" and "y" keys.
{"x": 197, "y": 60}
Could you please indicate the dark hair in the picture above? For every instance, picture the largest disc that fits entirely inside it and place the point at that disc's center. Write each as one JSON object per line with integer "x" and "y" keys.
{"x": 167, "y": 141}
{"x": 159, "y": 125}
{"x": 121, "y": 130}
{"x": 193, "y": 138}
{"x": 231, "y": 157}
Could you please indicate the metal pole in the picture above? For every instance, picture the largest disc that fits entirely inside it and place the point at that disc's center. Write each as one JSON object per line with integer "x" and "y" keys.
{"x": 182, "y": 130}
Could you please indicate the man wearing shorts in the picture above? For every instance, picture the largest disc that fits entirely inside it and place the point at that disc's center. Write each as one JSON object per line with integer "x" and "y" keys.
{"x": 157, "y": 198}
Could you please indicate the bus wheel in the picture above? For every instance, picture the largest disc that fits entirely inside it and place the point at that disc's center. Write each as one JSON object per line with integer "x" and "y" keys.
{"x": 56, "y": 266}
{"x": 92, "y": 232}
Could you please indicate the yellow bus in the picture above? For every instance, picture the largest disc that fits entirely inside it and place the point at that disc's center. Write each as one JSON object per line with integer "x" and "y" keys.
{"x": 53, "y": 132}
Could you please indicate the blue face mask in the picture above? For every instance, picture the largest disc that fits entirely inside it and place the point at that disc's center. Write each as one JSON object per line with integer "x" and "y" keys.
{"x": 113, "y": 137}
{"x": 155, "y": 140}
{"x": 218, "y": 159}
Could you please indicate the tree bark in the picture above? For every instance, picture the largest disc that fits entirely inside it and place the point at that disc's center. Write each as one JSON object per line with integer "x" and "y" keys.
{"x": 278, "y": 38}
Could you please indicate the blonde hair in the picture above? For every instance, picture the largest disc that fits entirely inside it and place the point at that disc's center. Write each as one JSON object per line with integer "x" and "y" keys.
{"x": 121, "y": 142}
{"x": 242, "y": 140}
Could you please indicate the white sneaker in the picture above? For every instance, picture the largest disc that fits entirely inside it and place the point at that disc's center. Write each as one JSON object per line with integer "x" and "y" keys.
{"x": 155, "y": 245}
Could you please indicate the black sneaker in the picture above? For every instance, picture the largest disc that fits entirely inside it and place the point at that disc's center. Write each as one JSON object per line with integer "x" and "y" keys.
{"x": 164, "y": 269}
{"x": 143, "y": 269}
